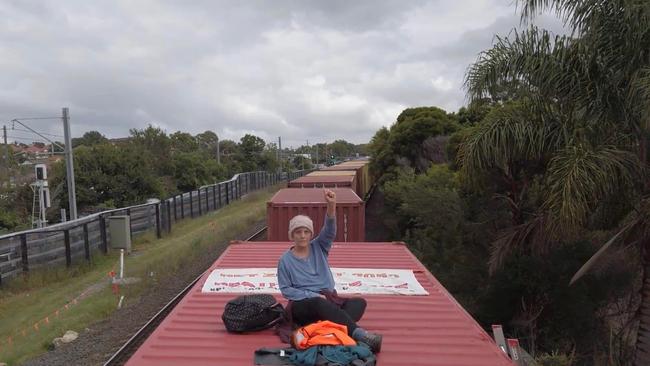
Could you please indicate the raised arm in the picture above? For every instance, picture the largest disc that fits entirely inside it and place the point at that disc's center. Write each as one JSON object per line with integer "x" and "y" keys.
{"x": 328, "y": 232}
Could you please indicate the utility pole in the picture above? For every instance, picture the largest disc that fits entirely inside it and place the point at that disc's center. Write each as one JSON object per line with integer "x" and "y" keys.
{"x": 310, "y": 158}
{"x": 218, "y": 155}
{"x": 280, "y": 151}
{"x": 72, "y": 198}
{"x": 6, "y": 159}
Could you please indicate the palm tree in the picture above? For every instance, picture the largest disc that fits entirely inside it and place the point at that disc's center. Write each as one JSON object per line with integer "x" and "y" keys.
{"x": 579, "y": 106}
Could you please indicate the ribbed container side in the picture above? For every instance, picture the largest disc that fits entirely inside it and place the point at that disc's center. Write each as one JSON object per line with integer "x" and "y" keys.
{"x": 289, "y": 202}
{"x": 328, "y": 181}
{"x": 361, "y": 171}
{"x": 431, "y": 330}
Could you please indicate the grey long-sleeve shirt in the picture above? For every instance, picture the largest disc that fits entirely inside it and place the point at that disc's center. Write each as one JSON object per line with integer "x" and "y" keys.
{"x": 302, "y": 278}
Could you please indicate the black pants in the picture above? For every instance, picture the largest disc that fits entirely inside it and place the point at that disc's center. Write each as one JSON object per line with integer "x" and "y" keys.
{"x": 311, "y": 310}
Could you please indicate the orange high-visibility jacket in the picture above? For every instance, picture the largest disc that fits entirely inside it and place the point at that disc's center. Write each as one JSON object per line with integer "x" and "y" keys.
{"x": 322, "y": 333}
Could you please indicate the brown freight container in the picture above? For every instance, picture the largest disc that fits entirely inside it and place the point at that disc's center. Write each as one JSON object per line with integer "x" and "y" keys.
{"x": 362, "y": 172}
{"x": 289, "y": 202}
{"x": 349, "y": 172}
{"x": 330, "y": 181}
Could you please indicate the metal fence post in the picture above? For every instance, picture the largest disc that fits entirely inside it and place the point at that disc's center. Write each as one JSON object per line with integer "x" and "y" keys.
{"x": 158, "y": 235}
{"x": 68, "y": 253}
{"x": 128, "y": 213}
{"x": 227, "y": 193}
{"x": 207, "y": 200}
{"x": 191, "y": 205}
{"x": 214, "y": 197}
{"x": 182, "y": 206}
{"x": 169, "y": 217}
{"x": 198, "y": 191}
{"x": 86, "y": 242}
{"x": 23, "y": 250}
{"x": 102, "y": 230}
{"x": 175, "y": 217}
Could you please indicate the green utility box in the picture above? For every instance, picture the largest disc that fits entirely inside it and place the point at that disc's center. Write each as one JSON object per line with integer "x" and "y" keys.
{"x": 120, "y": 230}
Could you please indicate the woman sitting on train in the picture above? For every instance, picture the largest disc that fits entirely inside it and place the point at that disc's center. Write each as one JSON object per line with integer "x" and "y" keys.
{"x": 305, "y": 278}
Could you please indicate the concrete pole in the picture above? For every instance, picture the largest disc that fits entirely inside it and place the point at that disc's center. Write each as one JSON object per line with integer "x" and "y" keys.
{"x": 280, "y": 151}
{"x": 4, "y": 132}
{"x": 218, "y": 154}
{"x": 69, "y": 164}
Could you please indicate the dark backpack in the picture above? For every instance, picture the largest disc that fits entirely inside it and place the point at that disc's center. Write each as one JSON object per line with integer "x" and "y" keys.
{"x": 249, "y": 313}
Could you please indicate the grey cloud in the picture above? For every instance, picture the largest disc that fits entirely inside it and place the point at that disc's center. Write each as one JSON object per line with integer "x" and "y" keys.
{"x": 316, "y": 70}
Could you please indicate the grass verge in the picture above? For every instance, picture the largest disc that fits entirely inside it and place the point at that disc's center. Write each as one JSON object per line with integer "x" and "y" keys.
{"x": 40, "y": 307}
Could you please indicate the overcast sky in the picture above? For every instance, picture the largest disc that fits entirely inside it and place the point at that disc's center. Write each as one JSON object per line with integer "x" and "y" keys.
{"x": 303, "y": 70}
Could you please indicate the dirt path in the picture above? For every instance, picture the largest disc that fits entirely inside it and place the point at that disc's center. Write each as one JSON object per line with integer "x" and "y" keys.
{"x": 97, "y": 343}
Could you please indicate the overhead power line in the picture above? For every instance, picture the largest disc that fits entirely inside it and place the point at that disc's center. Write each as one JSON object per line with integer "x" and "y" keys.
{"x": 42, "y": 133}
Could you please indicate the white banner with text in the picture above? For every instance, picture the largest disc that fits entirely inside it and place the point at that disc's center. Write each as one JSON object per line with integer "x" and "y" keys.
{"x": 348, "y": 281}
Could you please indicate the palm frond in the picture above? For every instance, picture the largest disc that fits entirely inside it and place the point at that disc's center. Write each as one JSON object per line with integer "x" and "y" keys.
{"x": 515, "y": 238}
{"x": 507, "y": 134}
{"x": 580, "y": 175}
{"x": 598, "y": 255}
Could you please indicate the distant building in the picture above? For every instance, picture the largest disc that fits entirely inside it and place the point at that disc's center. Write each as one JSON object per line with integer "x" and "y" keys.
{"x": 32, "y": 152}
{"x": 120, "y": 140}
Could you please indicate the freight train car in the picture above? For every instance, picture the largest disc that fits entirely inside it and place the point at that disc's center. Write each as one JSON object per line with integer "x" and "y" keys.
{"x": 424, "y": 330}
{"x": 289, "y": 202}
{"x": 329, "y": 181}
{"x": 361, "y": 169}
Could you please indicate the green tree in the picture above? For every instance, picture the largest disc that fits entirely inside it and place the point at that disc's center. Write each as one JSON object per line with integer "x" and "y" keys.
{"x": 584, "y": 103}
{"x": 251, "y": 148}
{"x": 192, "y": 170}
{"x": 208, "y": 141}
{"x": 413, "y": 136}
{"x": 109, "y": 176}
{"x": 341, "y": 149}
{"x": 157, "y": 146}
{"x": 381, "y": 152}
{"x": 183, "y": 142}
{"x": 89, "y": 138}
{"x": 300, "y": 162}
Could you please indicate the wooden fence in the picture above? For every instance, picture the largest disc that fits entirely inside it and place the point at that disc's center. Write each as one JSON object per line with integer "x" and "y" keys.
{"x": 76, "y": 240}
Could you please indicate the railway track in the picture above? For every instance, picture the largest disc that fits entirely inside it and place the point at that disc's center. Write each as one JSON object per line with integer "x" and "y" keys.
{"x": 128, "y": 349}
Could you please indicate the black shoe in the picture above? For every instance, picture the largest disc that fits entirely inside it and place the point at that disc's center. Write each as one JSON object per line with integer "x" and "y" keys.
{"x": 373, "y": 341}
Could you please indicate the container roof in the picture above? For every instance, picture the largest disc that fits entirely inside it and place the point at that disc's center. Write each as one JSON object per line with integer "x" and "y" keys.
{"x": 355, "y": 162}
{"x": 325, "y": 179}
{"x": 431, "y": 330}
{"x": 313, "y": 195}
{"x": 344, "y": 167}
{"x": 320, "y": 173}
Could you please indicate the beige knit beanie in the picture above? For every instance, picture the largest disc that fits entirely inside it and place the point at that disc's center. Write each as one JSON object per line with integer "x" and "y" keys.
{"x": 300, "y": 221}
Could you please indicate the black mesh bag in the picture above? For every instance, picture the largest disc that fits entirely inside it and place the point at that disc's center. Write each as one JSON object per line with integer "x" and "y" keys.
{"x": 248, "y": 313}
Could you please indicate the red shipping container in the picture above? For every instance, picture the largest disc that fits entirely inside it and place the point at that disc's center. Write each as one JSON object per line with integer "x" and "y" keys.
{"x": 430, "y": 330}
{"x": 332, "y": 181}
{"x": 289, "y": 202}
